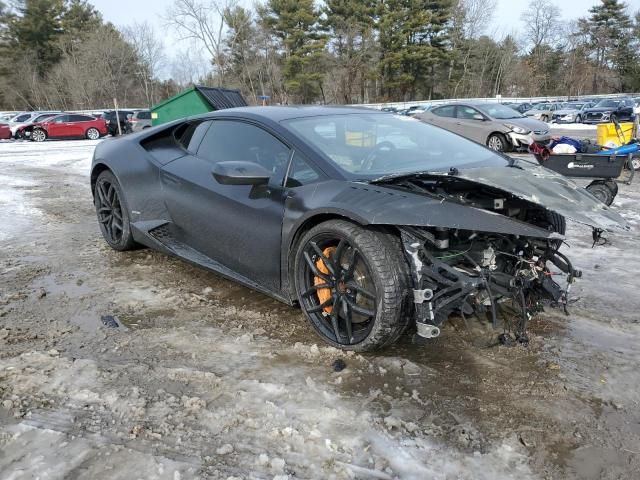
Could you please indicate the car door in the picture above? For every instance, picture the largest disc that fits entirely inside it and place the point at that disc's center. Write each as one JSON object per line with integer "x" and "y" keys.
{"x": 444, "y": 117}
{"x": 57, "y": 127}
{"x": 472, "y": 124}
{"x": 238, "y": 226}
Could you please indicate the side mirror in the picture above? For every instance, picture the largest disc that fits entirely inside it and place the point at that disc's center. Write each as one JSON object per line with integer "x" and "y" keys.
{"x": 477, "y": 116}
{"x": 240, "y": 173}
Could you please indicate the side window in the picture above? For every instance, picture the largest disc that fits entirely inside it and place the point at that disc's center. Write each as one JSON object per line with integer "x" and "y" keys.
{"x": 300, "y": 172}
{"x": 61, "y": 119}
{"x": 78, "y": 118}
{"x": 448, "y": 111}
{"x": 23, "y": 118}
{"x": 468, "y": 113}
{"x": 229, "y": 140}
{"x": 144, "y": 115}
{"x": 189, "y": 135}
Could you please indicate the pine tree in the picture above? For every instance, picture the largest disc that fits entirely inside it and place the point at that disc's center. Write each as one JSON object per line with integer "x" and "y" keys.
{"x": 351, "y": 26}
{"x": 413, "y": 41}
{"x": 609, "y": 30}
{"x": 295, "y": 24}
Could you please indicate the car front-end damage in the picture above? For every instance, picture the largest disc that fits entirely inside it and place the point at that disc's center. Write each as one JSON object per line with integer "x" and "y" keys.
{"x": 509, "y": 272}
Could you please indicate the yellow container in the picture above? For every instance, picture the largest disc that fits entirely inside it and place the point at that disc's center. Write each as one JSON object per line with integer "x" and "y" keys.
{"x": 607, "y": 134}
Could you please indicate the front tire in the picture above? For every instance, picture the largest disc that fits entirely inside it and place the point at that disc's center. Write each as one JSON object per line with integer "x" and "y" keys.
{"x": 38, "y": 135}
{"x": 351, "y": 284}
{"x": 579, "y": 119}
{"x": 497, "y": 142}
{"x": 93, "y": 134}
{"x": 112, "y": 212}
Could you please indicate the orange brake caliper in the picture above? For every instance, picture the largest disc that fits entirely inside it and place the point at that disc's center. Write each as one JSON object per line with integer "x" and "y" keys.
{"x": 324, "y": 294}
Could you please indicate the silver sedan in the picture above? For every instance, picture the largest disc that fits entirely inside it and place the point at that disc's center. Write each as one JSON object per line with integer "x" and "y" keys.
{"x": 497, "y": 126}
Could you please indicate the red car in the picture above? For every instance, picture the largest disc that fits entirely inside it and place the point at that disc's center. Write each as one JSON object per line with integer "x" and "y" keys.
{"x": 69, "y": 125}
{"x": 5, "y": 131}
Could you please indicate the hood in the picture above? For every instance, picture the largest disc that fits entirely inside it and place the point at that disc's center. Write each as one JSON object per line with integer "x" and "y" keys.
{"x": 527, "y": 123}
{"x": 600, "y": 110}
{"x": 540, "y": 186}
{"x": 567, "y": 111}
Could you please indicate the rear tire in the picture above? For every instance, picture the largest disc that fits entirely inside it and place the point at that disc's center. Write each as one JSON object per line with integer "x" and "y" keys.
{"x": 361, "y": 311}
{"x": 112, "y": 212}
{"x": 92, "y": 134}
{"x": 38, "y": 135}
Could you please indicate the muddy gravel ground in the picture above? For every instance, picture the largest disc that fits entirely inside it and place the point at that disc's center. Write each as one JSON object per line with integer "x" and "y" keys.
{"x": 206, "y": 379}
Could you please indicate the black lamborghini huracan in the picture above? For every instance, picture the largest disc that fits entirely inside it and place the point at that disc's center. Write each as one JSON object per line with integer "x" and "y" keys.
{"x": 371, "y": 222}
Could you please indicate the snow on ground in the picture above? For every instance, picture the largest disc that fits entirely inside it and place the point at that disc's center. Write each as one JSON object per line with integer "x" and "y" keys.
{"x": 572, "y": 126}
{"x": 206, "y": 379}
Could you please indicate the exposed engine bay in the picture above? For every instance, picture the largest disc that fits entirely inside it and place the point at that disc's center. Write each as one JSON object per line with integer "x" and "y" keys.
{"x": 479, "y": 273}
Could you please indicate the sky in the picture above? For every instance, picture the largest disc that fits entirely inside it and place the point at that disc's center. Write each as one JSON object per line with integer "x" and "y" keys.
{"x": 506, "y": 18}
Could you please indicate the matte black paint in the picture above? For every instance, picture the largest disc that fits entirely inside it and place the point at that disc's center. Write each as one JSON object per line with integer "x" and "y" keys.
{"x": 248, "y": 232}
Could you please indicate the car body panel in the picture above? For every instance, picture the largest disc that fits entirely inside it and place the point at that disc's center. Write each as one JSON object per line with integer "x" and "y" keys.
{"x": 5, "y": 131}
{"x": 248, "y": 232}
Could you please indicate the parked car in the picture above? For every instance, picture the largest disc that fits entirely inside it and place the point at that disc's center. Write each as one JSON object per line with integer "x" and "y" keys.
{"x": 5, "y": 117}
{"x": 497, "y": 126}
{"x": 69, "y": 126}
{"x": 5, "y": 131}
{"x": 26, "y": 118}
{"x": 543, "y": 111}
{"x": 365, "y": 236}
{"x": 520, "y": 107}
{"x": 609, "y": 108}
{"x": 571, "y": 112}
{"x": 24, "y": 130}
{"x": 112, "y": 124}
{"x": 138, "y": 121}
{"x": 419, "y": 109}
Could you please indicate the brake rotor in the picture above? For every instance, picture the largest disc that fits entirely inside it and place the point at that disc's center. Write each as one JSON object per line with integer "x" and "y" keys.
{"x": 324, "y": 294}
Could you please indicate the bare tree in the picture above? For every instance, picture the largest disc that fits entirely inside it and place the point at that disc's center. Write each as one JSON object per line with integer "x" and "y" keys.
{"x": 541, "y": 23}
{"x": 150, "y": 51}
{"x": 203, "y": 21}
{"x": 469, "y": 20}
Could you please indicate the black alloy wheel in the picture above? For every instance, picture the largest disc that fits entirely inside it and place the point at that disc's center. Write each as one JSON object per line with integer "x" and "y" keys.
{"x": 113, "y": 217}
{"x": 350, "y": 286}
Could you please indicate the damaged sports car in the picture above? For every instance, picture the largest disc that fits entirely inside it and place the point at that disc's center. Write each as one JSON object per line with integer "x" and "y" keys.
{"x": 369, "y": 221}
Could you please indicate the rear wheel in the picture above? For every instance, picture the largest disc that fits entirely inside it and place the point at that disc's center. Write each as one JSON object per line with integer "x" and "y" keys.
{"x": 351, "y": 285}
{"x": 497, "y": 142}
{"x": 113, "y": 215}
{"x": 38, "y": 135}
{"x": 93, "y": 134}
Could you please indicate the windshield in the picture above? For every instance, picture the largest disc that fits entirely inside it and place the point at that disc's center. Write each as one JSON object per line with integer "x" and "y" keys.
{"x": 573, "y": 106}
{"x": 499, "y": 112}
{"x": 366, "y": 146}
{"x": 608, "y": 103}
{"x": 542, "y": 106}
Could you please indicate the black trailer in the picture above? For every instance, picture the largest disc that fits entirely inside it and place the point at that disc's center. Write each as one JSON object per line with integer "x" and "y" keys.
{"x": 605, "y": 170}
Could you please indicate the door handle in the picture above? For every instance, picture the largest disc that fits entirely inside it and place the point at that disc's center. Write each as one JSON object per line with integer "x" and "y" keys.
{"x": 170, "y": 178}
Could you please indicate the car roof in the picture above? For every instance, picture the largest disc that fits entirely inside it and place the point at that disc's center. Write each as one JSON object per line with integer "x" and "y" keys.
{"x": 279, "y": 114}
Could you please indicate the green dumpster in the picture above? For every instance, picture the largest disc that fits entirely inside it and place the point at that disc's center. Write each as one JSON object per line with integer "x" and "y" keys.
{"x": 195, "y": 100}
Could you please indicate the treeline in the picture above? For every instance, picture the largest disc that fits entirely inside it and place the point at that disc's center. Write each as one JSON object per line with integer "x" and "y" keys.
{"x": 361, "y": 51}
{"x": 61, "y": 53}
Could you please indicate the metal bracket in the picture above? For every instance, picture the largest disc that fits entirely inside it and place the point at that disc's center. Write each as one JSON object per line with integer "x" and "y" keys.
{"x": 421, "y": 296}
{"x": 427, "y": 331}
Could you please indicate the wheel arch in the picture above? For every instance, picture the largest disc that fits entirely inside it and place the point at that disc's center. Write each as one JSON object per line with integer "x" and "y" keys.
{"x": 97, "y": 169}
{"x": 306, "y": 224}
{"x": 504, "y": 135}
